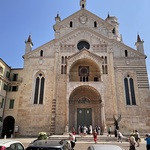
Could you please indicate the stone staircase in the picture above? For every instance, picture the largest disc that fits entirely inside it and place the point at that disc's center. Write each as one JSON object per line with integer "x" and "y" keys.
{"x": 89, "y": 138}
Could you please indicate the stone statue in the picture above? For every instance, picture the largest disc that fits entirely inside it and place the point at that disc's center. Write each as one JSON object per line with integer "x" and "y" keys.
{"x": 66, "y": 129}
{"x": 116, "y": 122}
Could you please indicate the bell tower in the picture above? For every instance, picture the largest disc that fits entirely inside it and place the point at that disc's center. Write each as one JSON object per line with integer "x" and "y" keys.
{"x": 83, "y": 4}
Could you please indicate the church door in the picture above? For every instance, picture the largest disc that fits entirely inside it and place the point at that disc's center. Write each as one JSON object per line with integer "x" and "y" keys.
{"x": 84, "y": 116}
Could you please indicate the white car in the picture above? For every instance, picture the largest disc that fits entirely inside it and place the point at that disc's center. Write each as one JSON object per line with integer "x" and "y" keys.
{"x": 104, "y": 147}
{"x": 8, "y": 144}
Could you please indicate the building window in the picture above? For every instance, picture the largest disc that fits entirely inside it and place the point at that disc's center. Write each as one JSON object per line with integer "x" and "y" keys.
{"x": 63, "y": 69}
{"x": 82, "y": 5}
{"x": 71, "y": 24}
{"x": 7, "y": 74}
{"x": 14, "y": 88}
{"x": 39, "y": 89}
{"x": 84, "y": 79}
{"x": 104, "y": 65}
{"x": 126, "y": 53}
{"x": 129, "y": 91}
{"x": 15, "y": 77}
{"x": 11, "y": 103}
{"x": 95, "y": 24}
{"x": 2, "y": 103}
{"x": 84, "y": 73}
{"x": 1, "y": 69}
{"x": 62, "y": 60}
{"x": 5, "y": 87}
{"x": 114, "y": 31}
{"x": 83, "y": 44}
{"x": 63, "y": 64}
{"x": 41, "y": 53}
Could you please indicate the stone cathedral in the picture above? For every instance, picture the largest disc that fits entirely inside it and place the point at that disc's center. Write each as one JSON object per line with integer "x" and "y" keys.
{"x": 86, "y": 75}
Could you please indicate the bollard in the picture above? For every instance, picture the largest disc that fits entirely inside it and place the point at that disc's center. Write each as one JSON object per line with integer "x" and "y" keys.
{"x": 4, "y": 136}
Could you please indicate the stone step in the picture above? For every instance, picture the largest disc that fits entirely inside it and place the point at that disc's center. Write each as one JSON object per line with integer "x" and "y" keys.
{"x": 89, "y": 138}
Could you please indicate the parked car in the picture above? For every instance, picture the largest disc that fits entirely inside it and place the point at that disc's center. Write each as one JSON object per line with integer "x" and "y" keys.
{"x": 49, "y": 145}
{"x": 6, "y": 144}
{"x": 104, "y": 147}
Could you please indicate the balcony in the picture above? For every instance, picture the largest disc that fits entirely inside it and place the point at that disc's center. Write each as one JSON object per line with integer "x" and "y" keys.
{"x": 16, "y": 82}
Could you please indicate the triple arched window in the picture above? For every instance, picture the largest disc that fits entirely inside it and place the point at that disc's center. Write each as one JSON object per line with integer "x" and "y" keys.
{"x": 39, "y": 89}
{"x": 129, "y": 91}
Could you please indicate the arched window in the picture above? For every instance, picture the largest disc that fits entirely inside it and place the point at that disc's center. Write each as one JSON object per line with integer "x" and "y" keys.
{"x": 129, "y": 91}
{"x": 132, "y": 92}
{"x": 63, "y": 69}
{"x": 114, "y": 31}
{"x": 71, "y": 24}
{"x": 39, "y": 89}
{"x": 82, "y": 5}
{"x": 105, "y": 59}
{"x": 65, "y": 59}
{"x": 41, "y": 53}
{"x": 126, "y": 53}
{"x": 104, "y": 65}
{"x": 95, "y": 24}
{"x": 62, "y": 60}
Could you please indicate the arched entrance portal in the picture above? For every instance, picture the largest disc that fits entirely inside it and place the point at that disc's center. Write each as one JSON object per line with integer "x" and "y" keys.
{"x": 8, "y": 126}
{"x": 85, "y": 107}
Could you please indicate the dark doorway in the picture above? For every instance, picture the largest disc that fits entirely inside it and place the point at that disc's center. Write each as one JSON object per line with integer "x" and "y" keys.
{"x": 8, "y": 126}
{"x": 84, "y": 117}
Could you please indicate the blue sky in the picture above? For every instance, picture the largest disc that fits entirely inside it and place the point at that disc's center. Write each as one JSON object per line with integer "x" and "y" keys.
{"x": 19, "y": 18}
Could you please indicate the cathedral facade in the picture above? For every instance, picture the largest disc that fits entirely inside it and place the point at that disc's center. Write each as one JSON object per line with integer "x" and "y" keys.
{"x": 86, "y": 75}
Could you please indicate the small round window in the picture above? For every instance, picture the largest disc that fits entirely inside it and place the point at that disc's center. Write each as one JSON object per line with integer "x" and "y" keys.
{"x": 83, "y": 44}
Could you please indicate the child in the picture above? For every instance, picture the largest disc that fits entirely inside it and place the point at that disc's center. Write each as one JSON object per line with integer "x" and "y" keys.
{"x": 95, "y": 136}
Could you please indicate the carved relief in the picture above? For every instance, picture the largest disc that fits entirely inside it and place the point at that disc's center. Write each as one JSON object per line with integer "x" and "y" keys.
{"x": 83, "y": 19}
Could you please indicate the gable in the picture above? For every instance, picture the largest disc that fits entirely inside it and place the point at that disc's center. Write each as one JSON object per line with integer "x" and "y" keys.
{"x": 120, "y": 48}
{"x": 82, "y": 19}
{"x": 84, "y": 55}
{"x": 47, "y": 48}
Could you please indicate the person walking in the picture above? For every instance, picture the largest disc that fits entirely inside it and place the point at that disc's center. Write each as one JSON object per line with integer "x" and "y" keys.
{"x": 72, "y": 139}
{"x": 109, "y": 131}
{"x": 137, "y": 138}
{"x": 132, "y": 143}
{"x": 119, "y": 136}
{"x": 95, "y": 136}
{"x": 147, "y": 139}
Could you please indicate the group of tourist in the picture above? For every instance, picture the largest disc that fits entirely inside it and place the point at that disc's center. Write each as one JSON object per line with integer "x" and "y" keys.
{"x": 134, "y": 137}
{"x": 84, "y": 130}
